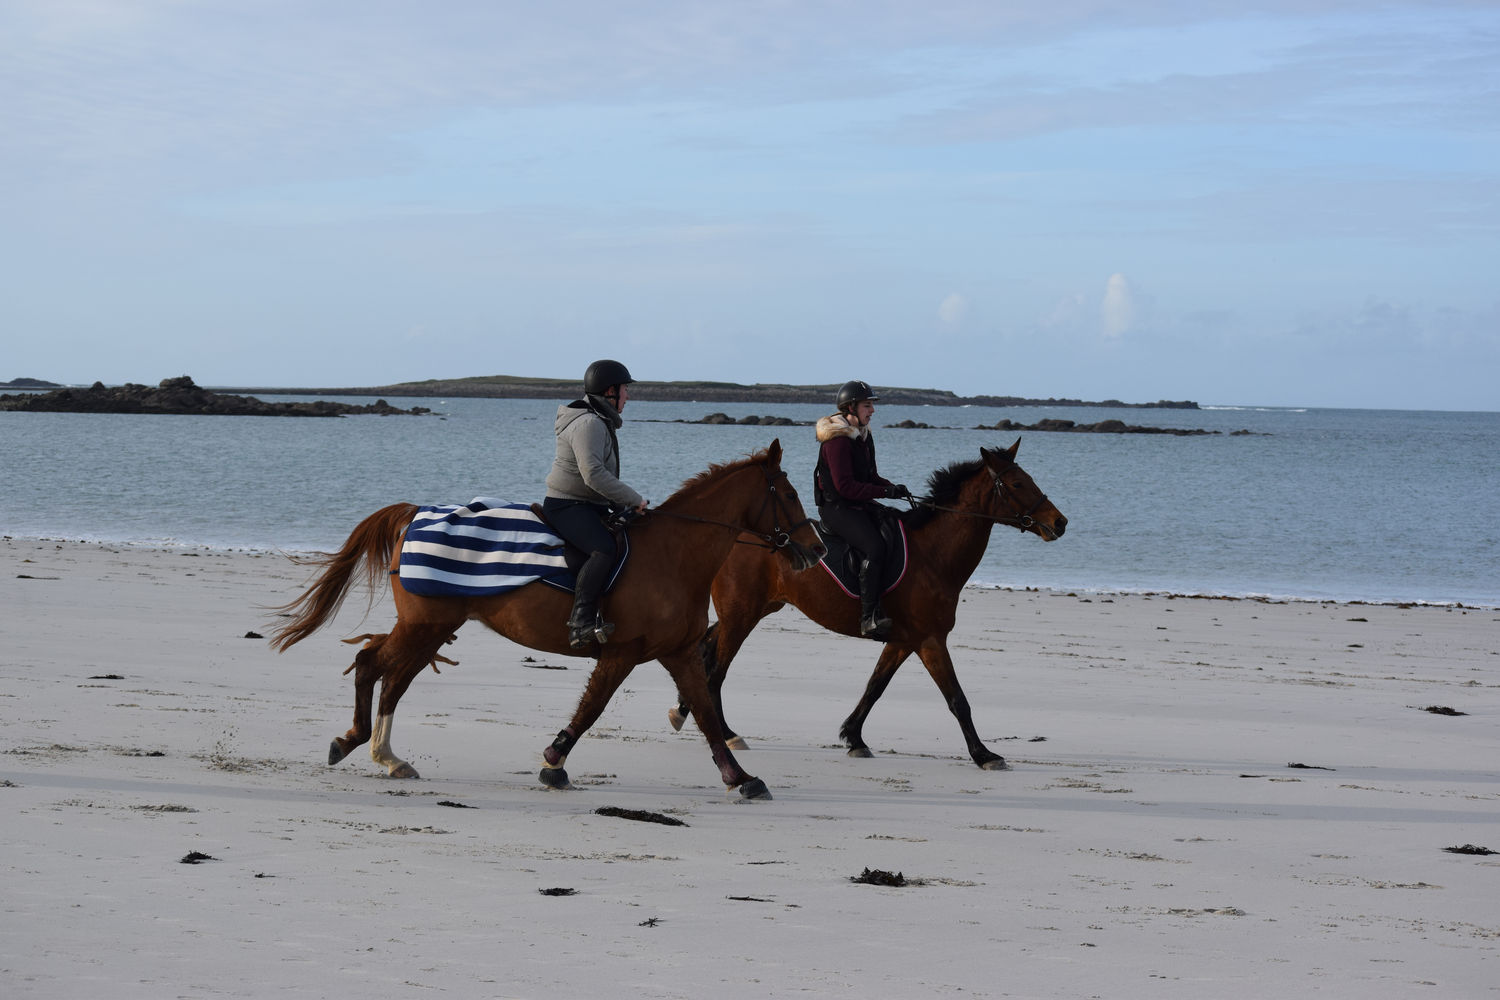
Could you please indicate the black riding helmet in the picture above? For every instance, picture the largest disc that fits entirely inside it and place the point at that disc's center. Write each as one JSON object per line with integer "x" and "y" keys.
{"x": 603, "y": 374}
{"x": 854, "y": 392}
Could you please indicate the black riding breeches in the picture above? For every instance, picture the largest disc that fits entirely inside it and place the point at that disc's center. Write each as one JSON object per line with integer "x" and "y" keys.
{"x": 859, "y": 528}
{"x": 580, "y": 524}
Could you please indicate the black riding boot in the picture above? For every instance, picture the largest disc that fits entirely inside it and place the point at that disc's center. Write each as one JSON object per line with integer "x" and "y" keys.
{"x": 873, "y": 624}
{"x": 586, "y": 624}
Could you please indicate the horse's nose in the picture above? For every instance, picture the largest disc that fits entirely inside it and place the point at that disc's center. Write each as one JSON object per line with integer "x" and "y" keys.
{"x": 1060, "y": 526}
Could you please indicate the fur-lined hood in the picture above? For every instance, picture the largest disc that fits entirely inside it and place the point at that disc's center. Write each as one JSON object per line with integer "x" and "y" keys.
{"x": 837, "y": 425}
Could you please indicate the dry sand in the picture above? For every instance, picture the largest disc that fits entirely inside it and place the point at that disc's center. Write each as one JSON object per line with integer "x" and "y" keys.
{"x": 1153, "y": 839}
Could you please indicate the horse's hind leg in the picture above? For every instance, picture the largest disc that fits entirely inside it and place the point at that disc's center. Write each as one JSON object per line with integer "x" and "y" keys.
{"x": 367, "y": 670}
{"x": 404, "y": 654}
{"x": 939, "y": 664}
{"x": 852, "y": 731}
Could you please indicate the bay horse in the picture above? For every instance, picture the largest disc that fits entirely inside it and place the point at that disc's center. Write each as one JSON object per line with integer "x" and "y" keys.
{"x": 659, "y": 607}
{"x": 947, "y": 535}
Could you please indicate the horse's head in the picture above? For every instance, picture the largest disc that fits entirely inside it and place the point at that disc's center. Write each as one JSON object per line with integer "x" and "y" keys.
{"x": 1017, "y": 500}
{"x": 782, "y": 523}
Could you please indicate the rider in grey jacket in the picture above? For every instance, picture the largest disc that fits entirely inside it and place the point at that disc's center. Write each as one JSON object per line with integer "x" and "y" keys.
{"x": 584, "y": 488}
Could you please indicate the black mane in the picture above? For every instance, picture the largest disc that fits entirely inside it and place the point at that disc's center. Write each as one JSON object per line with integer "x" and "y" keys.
{"x": 943, "y": 486}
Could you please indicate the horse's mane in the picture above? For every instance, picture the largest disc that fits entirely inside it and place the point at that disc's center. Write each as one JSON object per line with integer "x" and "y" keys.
{"x": 715, "y": 471}
{"x": 943, "y": 486}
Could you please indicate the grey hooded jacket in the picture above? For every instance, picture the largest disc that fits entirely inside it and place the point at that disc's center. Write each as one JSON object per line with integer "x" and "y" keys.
{"x": 587, "y": 466}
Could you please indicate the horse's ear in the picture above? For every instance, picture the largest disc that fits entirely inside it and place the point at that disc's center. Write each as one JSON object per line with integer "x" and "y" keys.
{"x": 992, "y": 455}
{"x": 774, "y": 452}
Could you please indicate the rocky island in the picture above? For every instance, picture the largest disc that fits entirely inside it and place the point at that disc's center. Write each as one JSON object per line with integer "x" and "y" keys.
{"x": 182, "y": 396}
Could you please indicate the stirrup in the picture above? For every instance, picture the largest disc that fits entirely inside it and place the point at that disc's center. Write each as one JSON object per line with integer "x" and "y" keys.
{"x": 598, "y": 630}
{"x": 875, "y": 626}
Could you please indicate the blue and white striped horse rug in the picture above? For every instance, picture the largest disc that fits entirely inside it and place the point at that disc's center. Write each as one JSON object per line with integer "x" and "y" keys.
{"x": 483, "y": 547}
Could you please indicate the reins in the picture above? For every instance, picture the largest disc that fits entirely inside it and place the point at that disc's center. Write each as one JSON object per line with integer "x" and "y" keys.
{"x": 777, "y": 538}
{"x": 1021, "y": 522}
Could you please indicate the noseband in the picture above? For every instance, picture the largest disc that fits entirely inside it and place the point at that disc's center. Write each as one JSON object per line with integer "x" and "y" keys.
{"x": 780, "y": 537}
{"x": 1024, "y": 520}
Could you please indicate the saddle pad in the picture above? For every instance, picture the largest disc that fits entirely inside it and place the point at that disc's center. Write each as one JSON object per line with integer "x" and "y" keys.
{"x": 841, "y": 563}
{"x": 486, "y": 546}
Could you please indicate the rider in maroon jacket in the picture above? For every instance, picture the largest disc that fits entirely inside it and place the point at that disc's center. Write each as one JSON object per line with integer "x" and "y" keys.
{"x": 846, "y": 486}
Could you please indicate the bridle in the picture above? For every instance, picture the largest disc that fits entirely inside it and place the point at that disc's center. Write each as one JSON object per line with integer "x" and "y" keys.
{"x": 778, "y": 537}
{"x": 1023, "y": 521}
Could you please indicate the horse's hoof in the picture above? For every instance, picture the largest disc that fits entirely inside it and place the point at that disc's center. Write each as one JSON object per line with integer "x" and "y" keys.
{"x": 403, "y": 770}
{"x": 336, "y": 753}
{"x": 860, "y": 752}
{"x": 755, "y": 789}
{"x": 555, "y": 777}
{"x": 737, "y": 743}
{"x": 998, "y": 764}
{"x": 676, "y": 717}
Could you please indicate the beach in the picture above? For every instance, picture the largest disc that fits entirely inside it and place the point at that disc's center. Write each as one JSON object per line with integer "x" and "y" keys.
{"x": 1207, "y": 798}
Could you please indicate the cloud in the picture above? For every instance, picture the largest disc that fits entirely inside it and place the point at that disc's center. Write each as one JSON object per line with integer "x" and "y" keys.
{"x": 953, "y": 309}
{"x": 1118, "y": 308}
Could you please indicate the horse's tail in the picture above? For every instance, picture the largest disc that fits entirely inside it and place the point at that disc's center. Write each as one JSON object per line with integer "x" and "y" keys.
{"x": 372, "y": 542}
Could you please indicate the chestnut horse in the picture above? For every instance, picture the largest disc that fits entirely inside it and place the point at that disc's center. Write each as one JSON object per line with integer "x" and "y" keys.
{"x": 947, "y": 535}
{"x": 659, "y": 607}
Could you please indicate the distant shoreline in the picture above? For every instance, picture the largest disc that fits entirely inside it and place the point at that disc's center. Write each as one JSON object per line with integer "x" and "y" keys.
{"x": 516, "y": 387}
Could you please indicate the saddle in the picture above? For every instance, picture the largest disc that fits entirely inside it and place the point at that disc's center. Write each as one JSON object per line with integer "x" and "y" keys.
{"x": 574, "y": 557}
{"x": 842, "y": 562}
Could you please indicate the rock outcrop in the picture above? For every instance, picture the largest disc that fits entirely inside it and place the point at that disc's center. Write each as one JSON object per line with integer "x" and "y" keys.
{"x": 1102, "y": 427}
{"x": 181, "y": 395}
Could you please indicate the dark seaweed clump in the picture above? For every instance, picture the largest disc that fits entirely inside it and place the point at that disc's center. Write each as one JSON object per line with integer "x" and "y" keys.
{"x": 875, "y": 876}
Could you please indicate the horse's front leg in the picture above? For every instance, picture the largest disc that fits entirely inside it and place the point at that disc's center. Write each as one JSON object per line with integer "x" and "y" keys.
{"x": 686, "y": 669}
{"x": 609, "y": 673}
{"x": 367, "y": 671}
{"x": 935, "y": 657}
{"x": 853, "y": 730}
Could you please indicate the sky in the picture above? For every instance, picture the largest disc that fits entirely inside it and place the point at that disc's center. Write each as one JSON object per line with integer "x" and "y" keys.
{"x": 1281, "y": 203}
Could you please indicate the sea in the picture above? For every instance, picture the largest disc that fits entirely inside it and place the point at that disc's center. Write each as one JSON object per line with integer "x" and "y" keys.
{"x": 1378, "y": 506}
